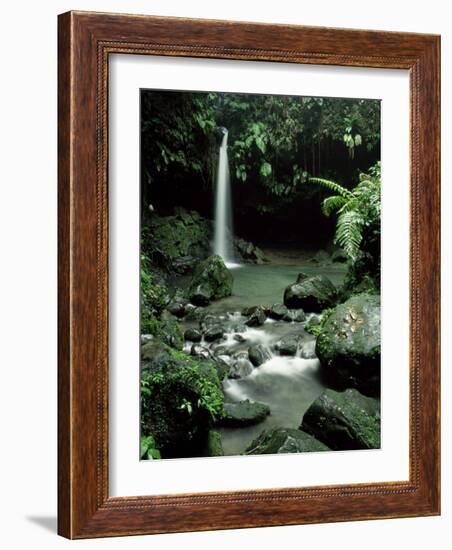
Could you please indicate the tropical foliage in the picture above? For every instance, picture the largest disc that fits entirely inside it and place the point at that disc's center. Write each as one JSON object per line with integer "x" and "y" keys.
{"x": 275, "y": 142}
{"x": 358, "y": 211}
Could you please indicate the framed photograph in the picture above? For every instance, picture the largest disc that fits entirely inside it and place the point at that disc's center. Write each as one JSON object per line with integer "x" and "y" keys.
{"x": 248, "y": 275}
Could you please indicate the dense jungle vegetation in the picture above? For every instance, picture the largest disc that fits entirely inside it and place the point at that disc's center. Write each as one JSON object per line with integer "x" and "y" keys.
{"x": 276, "y": 143}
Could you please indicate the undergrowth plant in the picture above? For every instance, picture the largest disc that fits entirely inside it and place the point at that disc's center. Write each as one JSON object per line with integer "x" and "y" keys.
{"x": 358, "y": 210}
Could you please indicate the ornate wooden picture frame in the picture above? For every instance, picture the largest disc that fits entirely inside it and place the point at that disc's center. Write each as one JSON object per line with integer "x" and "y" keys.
{"x": 86, "y": 41}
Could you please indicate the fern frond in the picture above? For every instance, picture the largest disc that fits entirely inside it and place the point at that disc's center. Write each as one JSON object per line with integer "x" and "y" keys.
{"x": 330, "y": 204}
{"x": 349, "y": 232}
{"x": 333, "y": 186}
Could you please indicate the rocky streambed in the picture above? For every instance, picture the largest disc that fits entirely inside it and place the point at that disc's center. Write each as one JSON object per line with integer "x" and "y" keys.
{"x": 250, "y": 376}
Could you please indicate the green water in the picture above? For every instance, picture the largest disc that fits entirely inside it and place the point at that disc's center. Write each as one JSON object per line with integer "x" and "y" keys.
{"x": 265, "y": 284}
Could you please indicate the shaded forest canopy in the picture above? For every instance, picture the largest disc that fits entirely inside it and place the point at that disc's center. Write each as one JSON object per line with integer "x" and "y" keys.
{"x": 276, "y": 143}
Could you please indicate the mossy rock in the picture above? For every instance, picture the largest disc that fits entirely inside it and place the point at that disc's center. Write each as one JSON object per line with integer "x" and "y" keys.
{"x": 214, "y": 446}
{"x": 178, "y": 242}
{"x": 244, "y": 413}
{"x": 171, "y": 331}
{"x": 344, "y": 420}
{"x": 284, "y": 440}
{"x": 312, "y": 294}
{"x": 211, "y": 280}
{"x": 348, "y": 345}
{"x": 181, "y": 399}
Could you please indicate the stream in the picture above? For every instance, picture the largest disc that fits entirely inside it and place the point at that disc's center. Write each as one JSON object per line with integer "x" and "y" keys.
{"x": 288, "y": 385}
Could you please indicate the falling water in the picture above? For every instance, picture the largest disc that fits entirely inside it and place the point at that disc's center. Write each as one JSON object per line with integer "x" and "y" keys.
{"x": 223, "y": 210}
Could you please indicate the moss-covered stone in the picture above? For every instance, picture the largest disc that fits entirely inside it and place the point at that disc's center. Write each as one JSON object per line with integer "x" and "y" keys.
{"x": 181, "y": 399}
{"x": 344, "y": 420}
{"x": 214, "y": 446}
{"x": 312, "y": 294}
{"x": 348, "y": 344}
{"x": 211, "y": 280}
{"x": 171, "y": 332}
{"x": 178, "y": 242}
{"x": 284, "y": 440}
{"x": 244, "y": 413}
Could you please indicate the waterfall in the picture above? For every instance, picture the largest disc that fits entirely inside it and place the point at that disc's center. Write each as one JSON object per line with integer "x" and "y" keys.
{"x": 223, "y": 210}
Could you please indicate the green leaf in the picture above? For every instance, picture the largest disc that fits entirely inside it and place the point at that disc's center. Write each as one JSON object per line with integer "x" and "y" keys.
{"x": 266, "y": 169}
{"x": 260, "y": 144}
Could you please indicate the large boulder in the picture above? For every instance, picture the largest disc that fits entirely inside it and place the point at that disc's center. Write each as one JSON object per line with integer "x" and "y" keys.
{"x": 178, "y": 242}
{"x": 244, "y": 413}
{"x": 284, "y": 440}
{"x": 181, "y": 399}
{"x": 344, "y": 420}
{"x": 313, "y": 294}
{"x": 348, "y": 345}
{"x": 211, "y": 280}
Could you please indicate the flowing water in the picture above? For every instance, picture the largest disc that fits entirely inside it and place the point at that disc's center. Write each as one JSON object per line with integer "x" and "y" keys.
{"x": 223, "y": 210}
{"x": 288, "y": 385}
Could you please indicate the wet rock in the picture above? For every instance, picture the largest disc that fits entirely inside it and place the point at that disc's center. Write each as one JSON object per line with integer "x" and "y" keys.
{"x": 211, "y": 280}
{"x": 287, "y": 346}
{"x": 240, "y": 368}
{"x": 208, "y": 321}
{"x": 192, "y": 312}
{"x": 308, "y": 350}
{"x": 277, "y": 311}
{"x": 298, "y": 315}
{"x": 220, "y": 349}
{"x": 258, "y": 354}
{"x": 193, "y": 335}
{"x": 244, "y": 413}
{"x": 176, "y": 308}
{"x": 213, "y": 333}
{"x": 344, "y": 420}
{"x": 348, "y": 345}
{"x": 312, "y": 294}
{"x": 145, "y": 338}
{"x": 239, "y": 338}
{"x": 257, "y": 318}
{"x": 200, "y": 351}
{"x": 284, "y": 440}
